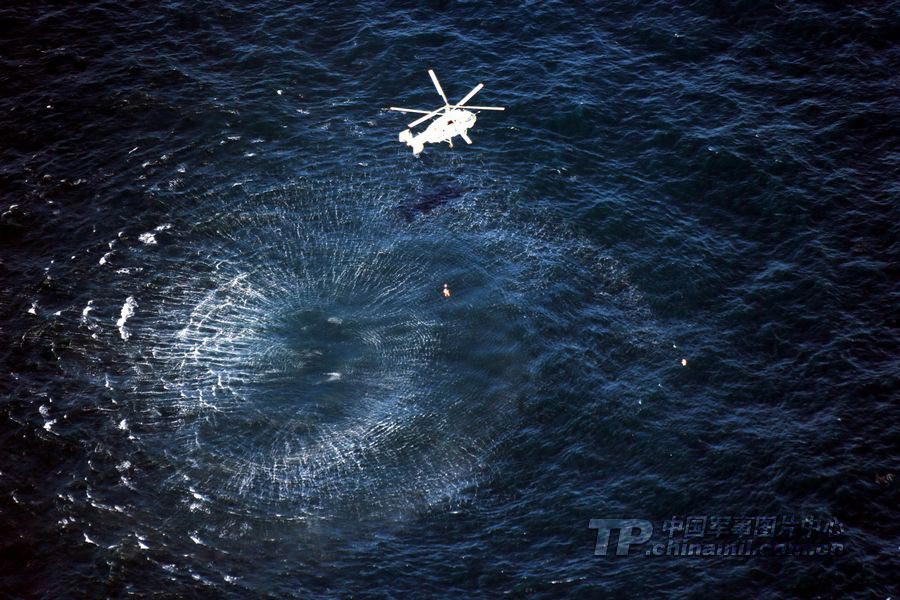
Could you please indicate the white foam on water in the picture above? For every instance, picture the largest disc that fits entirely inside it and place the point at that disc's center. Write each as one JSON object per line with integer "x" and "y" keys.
{"x": 127, "y": 312}
{"x": 87, "y": 309}
{"x": 197, "y": 496}
{"x": 147, "y": 238}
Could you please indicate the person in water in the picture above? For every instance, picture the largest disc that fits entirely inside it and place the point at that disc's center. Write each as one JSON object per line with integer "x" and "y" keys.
{"x": 446, "y": 291}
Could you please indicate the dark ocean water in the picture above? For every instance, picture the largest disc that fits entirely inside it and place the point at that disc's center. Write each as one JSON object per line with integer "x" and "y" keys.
{"x": 228, "y": 371}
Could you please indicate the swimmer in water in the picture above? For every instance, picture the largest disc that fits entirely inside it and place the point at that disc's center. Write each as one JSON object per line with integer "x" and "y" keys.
{"x": 446, "y": 291}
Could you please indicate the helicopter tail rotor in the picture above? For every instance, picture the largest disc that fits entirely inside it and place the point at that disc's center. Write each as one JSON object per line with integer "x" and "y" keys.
{"x": 407, "y": 137}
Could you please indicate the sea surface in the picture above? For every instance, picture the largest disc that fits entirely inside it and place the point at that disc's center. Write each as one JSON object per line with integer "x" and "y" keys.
{"x": 227, "y": 369}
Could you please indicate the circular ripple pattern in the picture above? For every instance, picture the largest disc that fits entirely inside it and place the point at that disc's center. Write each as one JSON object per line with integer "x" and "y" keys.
{"x": 315, "y": 364}
{"x": 191, "y": 371}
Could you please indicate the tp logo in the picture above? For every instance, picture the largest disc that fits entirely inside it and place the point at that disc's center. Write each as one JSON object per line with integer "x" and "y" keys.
{"x": 631, "y": 531}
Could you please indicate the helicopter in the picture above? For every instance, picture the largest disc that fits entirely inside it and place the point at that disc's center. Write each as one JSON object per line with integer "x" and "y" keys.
{"x": 451, "y": 120}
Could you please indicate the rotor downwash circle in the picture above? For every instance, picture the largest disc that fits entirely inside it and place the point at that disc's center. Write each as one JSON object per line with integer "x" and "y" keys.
{"x": 313, "y": 365}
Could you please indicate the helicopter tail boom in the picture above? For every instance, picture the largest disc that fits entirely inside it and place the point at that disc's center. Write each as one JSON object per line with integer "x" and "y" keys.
{"x": 411, "y": 140}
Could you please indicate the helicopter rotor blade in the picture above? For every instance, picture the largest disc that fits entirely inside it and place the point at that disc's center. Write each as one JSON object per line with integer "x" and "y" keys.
{"x": 409, "y": 110}
{"x": 468, "y": 96}
{"x": 485, "y": 108}
{"x": 426, "y": 117}
{"x": 437, "y": 86}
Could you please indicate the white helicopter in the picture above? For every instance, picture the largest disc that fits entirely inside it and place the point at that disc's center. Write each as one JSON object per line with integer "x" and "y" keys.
{"x": 452, "y": 121}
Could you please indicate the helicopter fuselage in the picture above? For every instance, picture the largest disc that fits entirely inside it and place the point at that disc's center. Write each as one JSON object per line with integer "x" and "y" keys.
{"x": 449, "y": 121}
{"x": 442, "y": 129}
